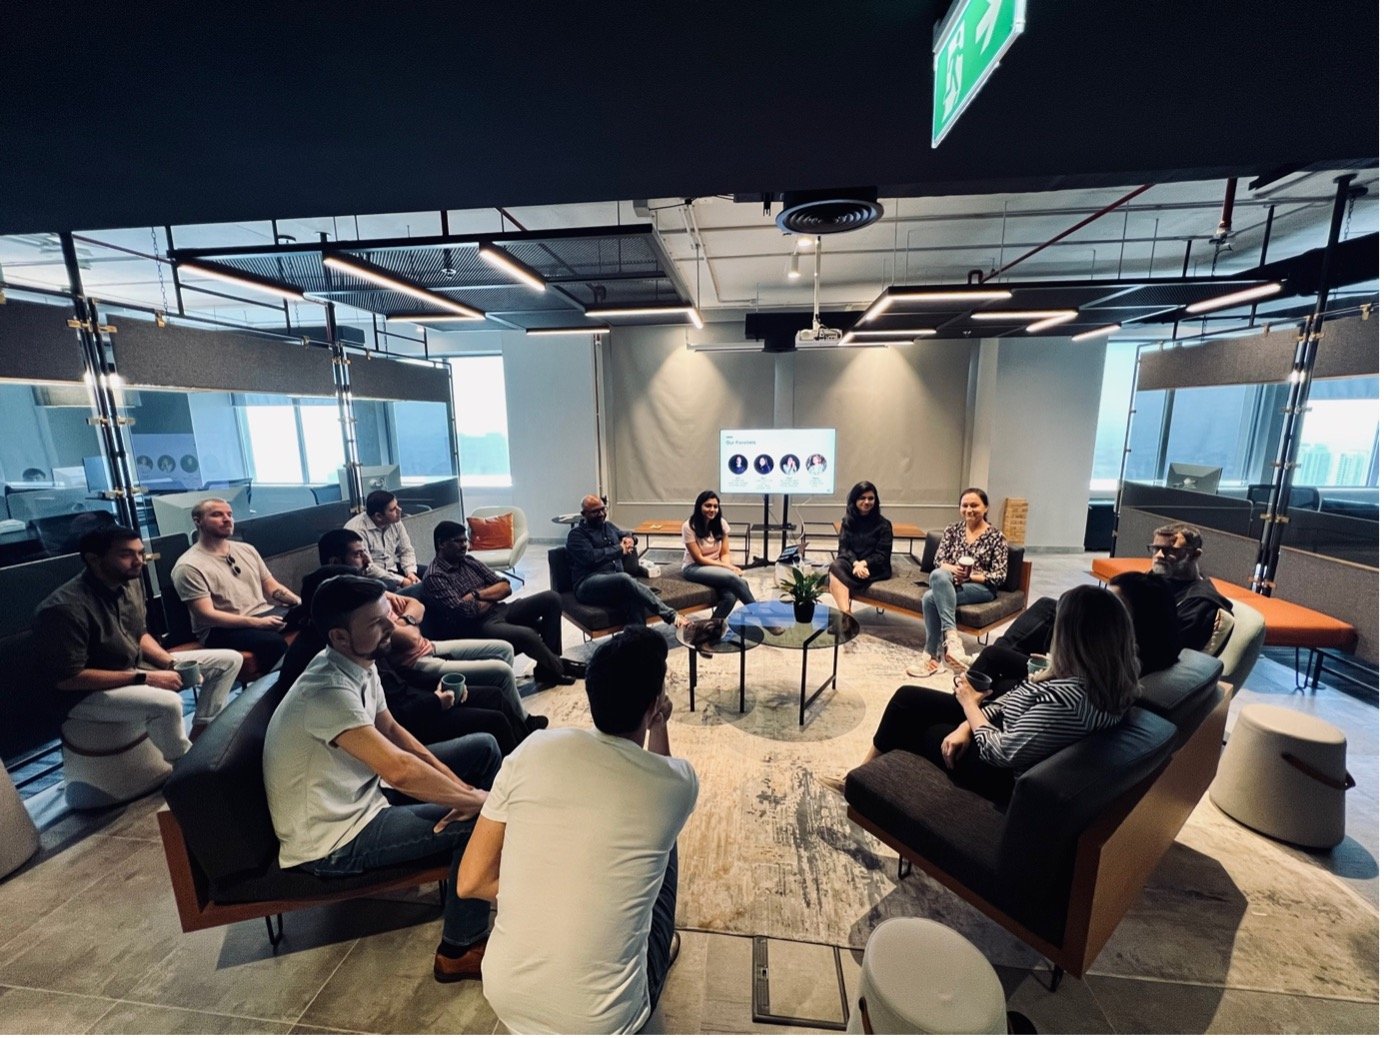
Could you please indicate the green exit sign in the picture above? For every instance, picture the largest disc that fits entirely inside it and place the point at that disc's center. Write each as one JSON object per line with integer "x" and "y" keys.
{"x": 965, "y": 51}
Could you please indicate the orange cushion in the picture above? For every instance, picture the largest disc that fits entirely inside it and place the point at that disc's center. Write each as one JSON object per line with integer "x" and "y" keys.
{"x": 492, "y": 532}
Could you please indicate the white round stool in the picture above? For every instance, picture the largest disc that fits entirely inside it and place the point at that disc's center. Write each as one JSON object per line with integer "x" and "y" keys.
{"x": 920, "y": 977}
{"x": 18, "y": 835}
{"x": 106, "y": 763}
{"x": 1284, "y": 774}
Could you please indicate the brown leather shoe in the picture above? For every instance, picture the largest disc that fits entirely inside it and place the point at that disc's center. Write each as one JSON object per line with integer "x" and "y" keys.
{"x": 448, "y": 969}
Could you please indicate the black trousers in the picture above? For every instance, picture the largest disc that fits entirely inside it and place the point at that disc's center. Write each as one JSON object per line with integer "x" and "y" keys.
{"x": 532, "y": 624}
{"x": 918, "y": 719}
{"x": 268, "y": 647}
{"x": 1007, "y": 667}
{"x": 841, "y": 570}
{"x": 1032, "y": 631}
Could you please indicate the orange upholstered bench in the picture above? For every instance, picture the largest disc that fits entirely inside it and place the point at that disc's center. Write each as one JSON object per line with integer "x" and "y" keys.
{"x": 1285, "y": 623}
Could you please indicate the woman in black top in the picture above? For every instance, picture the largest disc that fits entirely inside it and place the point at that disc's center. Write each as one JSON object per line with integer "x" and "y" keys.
{"x": 1151, "y": 608}
{"x": 864, "y": 548}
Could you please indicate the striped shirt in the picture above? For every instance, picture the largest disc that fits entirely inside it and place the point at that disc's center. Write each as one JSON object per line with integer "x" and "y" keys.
{"x": 1034, "y": 720}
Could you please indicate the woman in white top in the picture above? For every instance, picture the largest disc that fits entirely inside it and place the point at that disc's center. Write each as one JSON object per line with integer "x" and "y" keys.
{"x": 706, "y": 555}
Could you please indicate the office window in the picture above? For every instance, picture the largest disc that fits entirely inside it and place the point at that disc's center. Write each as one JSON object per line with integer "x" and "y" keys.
{"x": 1214, "y": 425}
{"x": 291, "y": 440}
{"x": 478, "y": 393}
{"x": 273, "y": 435}
{"x": 323, "y": 452}
{"x": 1340, "y": 434}
{"x": 420, "y": 430}
{"x": 1112, "y": 417}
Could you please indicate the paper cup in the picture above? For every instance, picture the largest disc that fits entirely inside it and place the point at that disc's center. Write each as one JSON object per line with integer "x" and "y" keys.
{"x": 190, "y": 671}
{"x": 967, "y": 564}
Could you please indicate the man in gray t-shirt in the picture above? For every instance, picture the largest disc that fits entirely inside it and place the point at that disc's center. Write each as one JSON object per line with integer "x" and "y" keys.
{"x": 331, "y": 742}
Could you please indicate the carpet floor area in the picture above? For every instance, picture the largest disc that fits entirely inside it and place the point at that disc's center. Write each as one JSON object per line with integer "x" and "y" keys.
{"x": 769, "y": 849}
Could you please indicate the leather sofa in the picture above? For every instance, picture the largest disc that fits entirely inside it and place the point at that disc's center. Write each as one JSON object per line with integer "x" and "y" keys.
{"x": 595, "y": 621}
{"x": 219, "y": 840}
{"x": 1085, "y": 828}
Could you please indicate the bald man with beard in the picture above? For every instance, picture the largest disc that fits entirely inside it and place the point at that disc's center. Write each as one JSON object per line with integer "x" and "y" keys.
{"x": 596, "y": 549}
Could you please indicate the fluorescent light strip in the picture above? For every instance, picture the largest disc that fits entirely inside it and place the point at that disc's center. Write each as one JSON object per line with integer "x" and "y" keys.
{"x": 897, "y": 333}
{"x": 383, "y": 278}
{"x": 941, "y": 295}
{"x": 589, "y": 330}
{"x": 883, "y": 303}
{"x": 1095, "y": 332}
{"x": 234, "y": 277}
{"x": 690, "y": 312}
{"x": 1052, "y": 322}
{"x": 427, "y": 318}
{"x": 1018, "y": 315}
{"x": 1242, "y": 296}
{"x": 502, "y": 260}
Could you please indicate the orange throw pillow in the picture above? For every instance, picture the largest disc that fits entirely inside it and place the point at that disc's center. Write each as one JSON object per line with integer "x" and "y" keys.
{"x": 489, "y": 533}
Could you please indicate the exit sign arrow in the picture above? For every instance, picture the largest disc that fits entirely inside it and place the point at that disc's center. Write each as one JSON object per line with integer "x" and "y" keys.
{"x": 966, "y": 51}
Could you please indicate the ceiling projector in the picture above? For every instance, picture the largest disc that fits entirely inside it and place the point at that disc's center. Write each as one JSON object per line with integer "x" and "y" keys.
{"x": 819, "y": 334}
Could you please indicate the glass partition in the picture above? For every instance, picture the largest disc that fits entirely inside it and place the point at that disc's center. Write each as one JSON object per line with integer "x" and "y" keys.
{"x": 52, "y": 469}
{"x": 410, "y": 434}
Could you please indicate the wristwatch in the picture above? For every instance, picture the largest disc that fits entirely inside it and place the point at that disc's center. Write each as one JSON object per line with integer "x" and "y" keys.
{"x": 140, "y": 678}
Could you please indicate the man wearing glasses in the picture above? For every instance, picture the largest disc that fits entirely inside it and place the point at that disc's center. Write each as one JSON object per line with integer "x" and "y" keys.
{"x": 1174, "y": 554}
{"x": 596, "y": 549}
{"x": 234, "y": 600}
{"x": 94, "y": 645}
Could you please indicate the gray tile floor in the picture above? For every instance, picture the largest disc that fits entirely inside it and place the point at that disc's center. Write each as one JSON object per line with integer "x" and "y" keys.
{"x": 89, "y": 940}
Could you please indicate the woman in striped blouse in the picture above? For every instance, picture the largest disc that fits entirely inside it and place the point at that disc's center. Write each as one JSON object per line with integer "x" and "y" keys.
{"x": 1091, "y": 679}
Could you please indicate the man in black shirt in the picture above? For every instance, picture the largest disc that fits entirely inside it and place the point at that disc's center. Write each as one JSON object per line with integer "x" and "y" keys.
{"x": 596, "y": 549}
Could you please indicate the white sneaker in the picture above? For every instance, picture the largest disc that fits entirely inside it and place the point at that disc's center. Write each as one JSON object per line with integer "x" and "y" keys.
{"x": 924, "y": 668}
{"x": 955, "y": 653}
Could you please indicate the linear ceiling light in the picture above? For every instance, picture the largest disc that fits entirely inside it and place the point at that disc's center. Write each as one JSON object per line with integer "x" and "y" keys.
{"x": 1052, "y": 322}
{"x": 428, "y": 318}
{"x": 378, "y": 276}
{"x": 590, "y": 329}
{"x": 1015, "y": 316}
{"x": 690, "y": 312}
{"x": 1095, "y": 332}
{"x": 895, "y": 333}
{"x": 941, "y": 295}
{"x": 502, "y": 260}
{"x": 1244, "y": 295}
{"x": 235, "y": 277}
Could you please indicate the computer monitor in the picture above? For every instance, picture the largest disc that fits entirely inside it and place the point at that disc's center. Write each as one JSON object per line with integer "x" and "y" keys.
{"x": 372, "y": 477}
{"x": 69, "y": 476}
{"x": 1205, "y": 479}
{"x": 97, "y": 478}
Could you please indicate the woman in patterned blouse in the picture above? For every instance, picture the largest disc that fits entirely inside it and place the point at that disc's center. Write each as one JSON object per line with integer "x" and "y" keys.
{"x": 1091, "y": 680}
{"x": 949, "y": 585}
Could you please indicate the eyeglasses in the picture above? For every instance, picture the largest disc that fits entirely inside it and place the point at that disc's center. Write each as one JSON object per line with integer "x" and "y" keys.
{"x": 593, "y": 511}
{"x": 1169, "y": 550}
{"x": 230, "y": 561}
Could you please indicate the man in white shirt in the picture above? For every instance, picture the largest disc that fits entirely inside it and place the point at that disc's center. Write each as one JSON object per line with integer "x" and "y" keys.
{"x": 381, "y": 525}
{"x": 577, "y": 846}
{"x": 235, "y": 602}
{"x": 332, "y": 740}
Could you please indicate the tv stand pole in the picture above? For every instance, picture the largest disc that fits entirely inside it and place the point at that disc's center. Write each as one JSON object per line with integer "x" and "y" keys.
{"x": 759, "y": 561}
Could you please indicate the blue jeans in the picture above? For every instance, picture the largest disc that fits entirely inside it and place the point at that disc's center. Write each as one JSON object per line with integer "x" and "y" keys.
{"x": 940, "y": 602}
{"x": 405, "y": 833}
{"x": 726, "y": 584}
{"x": 622, "y": 591}
{"x": 484, "y": 661}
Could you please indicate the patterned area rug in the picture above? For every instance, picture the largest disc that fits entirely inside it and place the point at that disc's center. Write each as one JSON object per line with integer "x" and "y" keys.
{"x": 769, "y": 850}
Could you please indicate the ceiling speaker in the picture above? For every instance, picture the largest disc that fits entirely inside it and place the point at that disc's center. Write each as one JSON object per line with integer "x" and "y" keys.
{"x": 830, "y": 211}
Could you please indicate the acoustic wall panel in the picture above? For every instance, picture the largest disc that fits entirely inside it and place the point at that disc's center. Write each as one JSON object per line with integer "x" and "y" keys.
{"x": 36, "y": 345}
{"x": 373, "y": 378}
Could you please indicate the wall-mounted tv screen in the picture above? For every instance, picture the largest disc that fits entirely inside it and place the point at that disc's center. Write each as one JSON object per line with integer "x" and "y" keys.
{"x": 778, "y": 461}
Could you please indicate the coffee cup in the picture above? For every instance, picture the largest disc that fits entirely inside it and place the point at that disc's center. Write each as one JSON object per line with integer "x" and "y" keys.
{"x": 1036, "y": 663}
{"x": 190, "y": 671}
{"x": 979, "y": 680}
{"x": 965, "y": 564}
{"x": 455, "y": 684}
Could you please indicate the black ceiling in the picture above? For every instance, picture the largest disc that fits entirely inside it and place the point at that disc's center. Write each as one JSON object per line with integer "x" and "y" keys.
{"x": 132, "y": 114}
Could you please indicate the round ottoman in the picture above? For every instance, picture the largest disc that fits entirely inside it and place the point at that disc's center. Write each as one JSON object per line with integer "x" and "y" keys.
{"x": 1284, "y": 774}
{"x": 920, "y": 977}
{"x": 18, "y": 836}
{"x": 106, "y": 763}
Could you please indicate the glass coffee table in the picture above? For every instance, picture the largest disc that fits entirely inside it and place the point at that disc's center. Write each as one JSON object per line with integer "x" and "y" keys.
{"x": 829, "y": 628}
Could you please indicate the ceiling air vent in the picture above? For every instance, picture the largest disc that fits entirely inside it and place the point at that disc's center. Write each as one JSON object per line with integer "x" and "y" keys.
{"x": 830, "y": 211}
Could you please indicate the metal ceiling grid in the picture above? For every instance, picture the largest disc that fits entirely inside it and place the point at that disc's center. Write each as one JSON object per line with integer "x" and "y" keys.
{"x": 587, "y": 258}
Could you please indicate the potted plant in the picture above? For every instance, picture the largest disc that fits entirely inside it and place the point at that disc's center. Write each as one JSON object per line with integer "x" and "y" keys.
{"x": 802, "y": 590}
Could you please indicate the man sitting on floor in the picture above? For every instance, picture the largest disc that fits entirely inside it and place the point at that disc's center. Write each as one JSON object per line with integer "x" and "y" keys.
{"x": 332, "y": 740}
{"x": 1175, "y": 550}
{"x": 591, "y": 958}
{"x": 484, "y": 661}
{"x": 596, "y": 550}
{"x": 229, "y": 590}
{"x": 465, "y": 597}
{"x": 94, "y": 645}
{"x": 391, "y": 551}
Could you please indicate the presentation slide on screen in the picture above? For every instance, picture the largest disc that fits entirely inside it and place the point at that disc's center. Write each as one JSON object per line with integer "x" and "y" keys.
{"x": 778, "y": 461}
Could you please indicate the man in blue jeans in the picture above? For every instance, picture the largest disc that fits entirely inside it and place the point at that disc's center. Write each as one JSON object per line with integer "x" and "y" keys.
{"x": 330, "y": 743}
{"x": 596, "y": 550}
